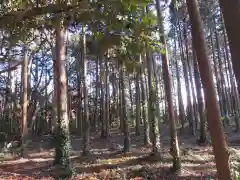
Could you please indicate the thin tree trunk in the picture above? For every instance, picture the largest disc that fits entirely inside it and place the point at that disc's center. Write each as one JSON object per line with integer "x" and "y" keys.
{"x": 94, "y": 125}
{"x": 217, "y": 75}
{"x": 126, "y": 132}
{"x": 147, "y": 141}
{"x": 152, "y": 106}
{"x": 24, "y": 104}
{"x": 202, "y": 137}
{"x": 190, "y": 116}
{"x": 174, "y": 150}
{"x": 86, "y": 148}
{"x": 189, "y": 67}
{"x": 138, "y": 103}
{"x": 106, "y": 133}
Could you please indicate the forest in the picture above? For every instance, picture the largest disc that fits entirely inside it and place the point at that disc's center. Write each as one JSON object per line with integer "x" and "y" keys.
{"x": 120, "y": 89}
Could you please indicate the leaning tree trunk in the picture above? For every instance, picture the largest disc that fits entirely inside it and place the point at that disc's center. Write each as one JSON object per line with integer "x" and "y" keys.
{"x": 222, "y": 79}
{"x": 213, "y": 112}
{"x": 63, "y": 145}
{"x": 190, "y": 115}
{"x": 189, "y": 67}
{"x": 174, "y": 150}
{"x": 231, "y": 16}
{"x": 202, "y": 135}
{"x": 235, "y": 95}
{"x": 179, "y": 91}
{"x": 219, "y": 90}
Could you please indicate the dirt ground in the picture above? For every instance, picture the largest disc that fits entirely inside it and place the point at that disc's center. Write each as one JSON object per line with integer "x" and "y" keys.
{"x": 106, "y": 164}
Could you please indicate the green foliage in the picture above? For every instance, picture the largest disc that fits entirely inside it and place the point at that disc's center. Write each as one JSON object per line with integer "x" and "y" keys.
{"x": 235, "y": 169}
{"x": 63, "y": 148}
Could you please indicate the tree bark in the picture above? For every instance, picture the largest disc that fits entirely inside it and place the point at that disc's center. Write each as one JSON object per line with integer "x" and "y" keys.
{"x": 63, "y": 145}
{"x": 174, "y": 150}
{"x": 86, "y": 137}
{"x": 231, "y": 15}
{"x": 24, "y": 104}
{"x": 138, "y": 103}
{"x": 126, "y": 132}
{"x": 213, "y": 113}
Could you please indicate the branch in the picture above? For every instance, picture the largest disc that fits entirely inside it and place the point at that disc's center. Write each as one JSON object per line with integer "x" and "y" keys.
{"x": 11, "y": 68}
{"x": 21, "y": 15}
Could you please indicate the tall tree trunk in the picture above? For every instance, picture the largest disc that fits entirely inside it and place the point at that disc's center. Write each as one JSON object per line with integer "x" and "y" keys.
{"x": 189, "y": 67}
{"x": 213, "y": 113}
{"x": 85, "y": 97}
{"x": 235, "y": 95}
{"x": 222, "y": 79}
{"x": 126, "y": 132}
{"x": 202, "y": 137}
{"x": 179, "y": 90}
{"x": 107, "y": 96}
{"x": 219, "y": 92}
{"x": 130, "y": 97}
{"x": 190, "y": 115}
{"x": 152, "y": 106}
{"x": 24, "y": 104}
{"x": 138, "y": 103}
{"x": 114, "y": 108}
{"x": 54, "y": 104}
{"x": 157, "y": 78}
{"x": 231, "y": 15}
{"x": 174, "y": 150}
{"x": 96, "y": 115}
{"x": 63, "y": 145}
{"x": 12, "y": 93}
{"x": 102, "y": 108}
{"x": 147, "y": 141}
{"x": 79, "y": 101}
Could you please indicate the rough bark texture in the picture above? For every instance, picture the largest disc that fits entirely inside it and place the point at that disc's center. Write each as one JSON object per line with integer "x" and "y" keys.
{"x": 63, "y": 145}
{"x": 152, "y": 106}
{"x": 213, "y": 112}
{"x": 147, "y": 141}
{"x": 174, "y": 150}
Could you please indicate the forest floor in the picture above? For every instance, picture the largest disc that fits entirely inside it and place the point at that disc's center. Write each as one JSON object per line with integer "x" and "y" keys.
{"x": 106, "y": 164}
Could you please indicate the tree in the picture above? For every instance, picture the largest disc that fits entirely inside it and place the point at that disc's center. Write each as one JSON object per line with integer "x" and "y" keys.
{"x": 24, "y": 103}
{"x": 85, "y": 96}
{"x": 213, "y": 113}
{"x": 63, "y": 146}
{"x": 174, "y": 150}
{"x": 231, "y": 14}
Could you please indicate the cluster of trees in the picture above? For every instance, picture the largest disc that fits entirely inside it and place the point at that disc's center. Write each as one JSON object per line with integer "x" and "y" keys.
{"x": 93, "y": 65}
